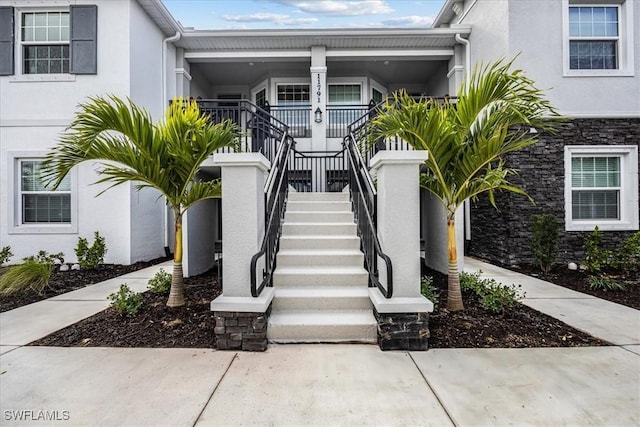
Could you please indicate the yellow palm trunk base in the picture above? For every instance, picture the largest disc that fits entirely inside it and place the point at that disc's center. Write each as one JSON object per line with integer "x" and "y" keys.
{"x": 454, "y": 294}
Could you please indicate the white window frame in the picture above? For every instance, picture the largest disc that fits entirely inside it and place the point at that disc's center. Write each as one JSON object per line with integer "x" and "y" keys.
{"x": 628, "y": 187}
{"x": 14, "y": 199}
{"x": 19, "y": 75}
{"x": 625, "y": 50}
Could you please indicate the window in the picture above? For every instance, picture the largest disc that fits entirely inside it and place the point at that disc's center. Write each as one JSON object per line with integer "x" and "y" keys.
{"x": 601, "y": 187}
{"x": 39, "y": 203}
{"x": 598, "y": 37}
{"x": 261, "y": 98}
{"x": 293, "y": 95}
{"x": 594, "y": 36}
{"x": 344, "y": 94}
{"x": 377, "y": 96}
{"x": 45, "y": 42}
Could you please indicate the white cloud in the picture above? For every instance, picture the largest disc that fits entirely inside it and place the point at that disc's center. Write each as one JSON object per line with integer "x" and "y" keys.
{"x": 409, "y": 21}
{"x": 340, "y": 7}
{"x": 274, "y": 18}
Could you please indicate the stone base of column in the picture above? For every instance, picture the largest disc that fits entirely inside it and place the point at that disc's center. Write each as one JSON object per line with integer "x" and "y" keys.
{"x": 403, "y": 331}
{"x": 246, "y": 331}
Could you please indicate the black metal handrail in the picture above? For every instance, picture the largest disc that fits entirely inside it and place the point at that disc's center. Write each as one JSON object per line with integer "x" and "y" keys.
{"x": 340, "y": 116}
{"x": 363, "y": 199}
{"x": 275, "y": 200}
{"x": 260, "y": 131}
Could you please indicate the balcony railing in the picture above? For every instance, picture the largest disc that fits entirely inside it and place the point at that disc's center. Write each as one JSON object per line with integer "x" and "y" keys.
{"x": 297, "y": 117}
{"x": 339, "y": 117}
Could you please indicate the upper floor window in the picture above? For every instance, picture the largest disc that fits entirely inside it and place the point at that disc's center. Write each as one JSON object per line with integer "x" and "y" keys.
{"x": 293, "y": 94}
{"x": 598, "y": 37}
{"x": 45, "y": 42}
{"x": 344, "y": 94}
{"x": 593, "y": 38}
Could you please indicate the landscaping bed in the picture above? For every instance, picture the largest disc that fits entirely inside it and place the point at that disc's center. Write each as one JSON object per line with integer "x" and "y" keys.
{"x": 156, "y": 325}
{"x": 577, "y": 281}
{"x": 67, "y": 281}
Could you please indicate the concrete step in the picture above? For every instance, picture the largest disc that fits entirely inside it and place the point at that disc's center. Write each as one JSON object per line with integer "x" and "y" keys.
{"x": 320, "y": 276}
{"x": 322, "y": 326}
{"x": 324, "y": 197}
{"x": 316, "y": 206}
{"x": 333, "y": 298}
{"x": 319, "y": 258}
{"x": 319, "y": 242}
{"x": 318, "y": 229}
{"x": 319, "y": 217}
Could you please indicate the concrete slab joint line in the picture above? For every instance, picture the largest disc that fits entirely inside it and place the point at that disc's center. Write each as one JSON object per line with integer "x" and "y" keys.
{"x": 235, "y": 356}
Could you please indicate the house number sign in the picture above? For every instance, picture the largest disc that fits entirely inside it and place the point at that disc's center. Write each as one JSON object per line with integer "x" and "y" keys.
{"x": 319, "y": 89}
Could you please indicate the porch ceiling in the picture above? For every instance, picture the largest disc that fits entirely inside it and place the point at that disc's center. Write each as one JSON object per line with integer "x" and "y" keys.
{"x": 394, "y": 71}
{"x": 243, "y": 40}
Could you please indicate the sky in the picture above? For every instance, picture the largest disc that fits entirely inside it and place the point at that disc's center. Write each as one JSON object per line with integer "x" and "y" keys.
{"x": 293, "y": 14}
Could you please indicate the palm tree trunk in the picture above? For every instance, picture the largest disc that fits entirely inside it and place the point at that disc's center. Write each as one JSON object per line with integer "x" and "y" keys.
{"x": 176, "y": 294}
{"x": 454, "y": 295}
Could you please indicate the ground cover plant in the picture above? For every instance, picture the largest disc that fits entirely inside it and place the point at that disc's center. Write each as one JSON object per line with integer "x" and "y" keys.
{"x": 90, "y": 257}
{"x": 32, "y": 275}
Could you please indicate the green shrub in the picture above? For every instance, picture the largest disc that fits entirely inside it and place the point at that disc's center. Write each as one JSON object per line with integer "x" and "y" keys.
{"x": 45, "y": 257}
{"x": 544, "y": 242}
{"x": 493, "y": 296}
{"x": 604, "y": 283}
{"x": 90, "y": 257}
{"x": 160, "y": 283}
{"x": 627, "y": 258}
{"x": 126, "y": 302}
{"x": 32, "y": 274}
{"x": 429, "y": 290}
{"x": 595, "y": 258}
{"x": 5, "y": 254}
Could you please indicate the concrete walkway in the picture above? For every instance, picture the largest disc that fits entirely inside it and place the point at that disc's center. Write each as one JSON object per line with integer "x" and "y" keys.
{"x": 318, "y": 384}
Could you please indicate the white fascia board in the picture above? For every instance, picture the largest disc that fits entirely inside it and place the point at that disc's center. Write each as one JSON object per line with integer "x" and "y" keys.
{"x": 248, "y": 54}
{"x": 330, "y": 32}
{"x": 353, "y": 53}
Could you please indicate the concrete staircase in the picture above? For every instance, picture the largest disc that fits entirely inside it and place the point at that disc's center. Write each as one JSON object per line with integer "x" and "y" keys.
{"x": 320, "y": 284}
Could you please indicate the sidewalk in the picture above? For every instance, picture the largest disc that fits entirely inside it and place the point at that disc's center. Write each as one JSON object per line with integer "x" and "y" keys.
{"x": 330, "y": 384}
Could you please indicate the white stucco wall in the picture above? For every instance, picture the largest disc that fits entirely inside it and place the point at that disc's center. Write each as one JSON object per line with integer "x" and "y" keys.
{"x": 600, "y": 96}
{"x": 35, "y": 109}
{"x": 199, "y": 238}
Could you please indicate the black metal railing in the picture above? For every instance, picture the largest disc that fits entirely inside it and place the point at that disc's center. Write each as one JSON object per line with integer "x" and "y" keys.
{"x": 363, "y": 199}
{"x": 339, "y": 117}
{"x": 275, "y": 200}
{"x": 260, "y": 131}
{"x": 297, "y": 117}
{"x": 318, "y": 171}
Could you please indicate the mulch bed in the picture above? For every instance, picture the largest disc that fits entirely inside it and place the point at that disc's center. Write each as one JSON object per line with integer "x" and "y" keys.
{"x": 520, "y": 327}
{"x": 577, "y": 280}
{"x": 155, "y": 325}
{"x": 192, "y": 325}
{"x": 63, "y": 282}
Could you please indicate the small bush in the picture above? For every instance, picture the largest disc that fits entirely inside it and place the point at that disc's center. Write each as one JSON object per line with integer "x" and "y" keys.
{"x": 493, "y": 296}
{"x": 627, "y": 258}
{"x": 5, "y": 254}
{"x": 429, "y": 290}
{"x": 90, "y": 257}
{"x": 32, "y": 274}
{"x": 596, "y": 258}
{"x": 544, "y": 242}
{"x": 45, "y": 257}
{"x": 604, "y": 283}
{"x": 160, "y": 283}
{"x": 126, "y": 302}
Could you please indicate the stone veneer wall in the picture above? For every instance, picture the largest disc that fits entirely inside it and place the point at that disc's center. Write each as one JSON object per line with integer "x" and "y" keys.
{"x": 403, "y": 331}
{"x": 504, "y": 235}
{"x": 241, "y": 331}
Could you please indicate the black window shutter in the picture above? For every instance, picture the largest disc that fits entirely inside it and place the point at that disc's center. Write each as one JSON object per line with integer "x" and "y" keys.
{"x": 84, "y": 36}
{"x": 6, "y": 41}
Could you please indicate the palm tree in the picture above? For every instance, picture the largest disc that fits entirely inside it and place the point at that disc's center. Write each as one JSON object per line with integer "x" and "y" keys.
{"x": 467, "y": 141}
{"x": 131, "y": 148}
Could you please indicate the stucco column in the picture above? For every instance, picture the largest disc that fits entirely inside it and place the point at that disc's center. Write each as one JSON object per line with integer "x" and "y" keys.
{"x": 243, "y": 223}
{"x": 318, "y": 97}
{"x": 399, "y": 229}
